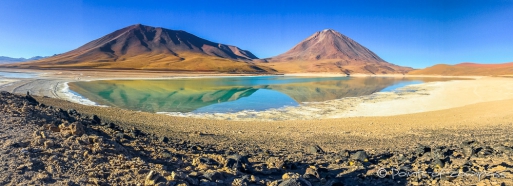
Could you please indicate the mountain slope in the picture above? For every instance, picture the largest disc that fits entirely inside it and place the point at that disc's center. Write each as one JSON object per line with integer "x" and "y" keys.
{"x": 330, "y": 51}
{"x": 467, "y": 69}
{"x": 153, "y": 48}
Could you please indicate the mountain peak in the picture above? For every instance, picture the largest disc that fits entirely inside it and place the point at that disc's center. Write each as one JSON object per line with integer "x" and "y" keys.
{"x": 145, "y": 47}
{"x": 328, "y": 30}
{"x": 329, "y": 50}
{"x": 328, "y": 44}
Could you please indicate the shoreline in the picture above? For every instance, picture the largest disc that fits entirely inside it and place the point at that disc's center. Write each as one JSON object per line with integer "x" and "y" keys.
{"x": 377, "y": 104}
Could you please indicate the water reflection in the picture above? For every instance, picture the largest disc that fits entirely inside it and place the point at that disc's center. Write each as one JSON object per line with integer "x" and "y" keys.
{"x": 231, "y": 94}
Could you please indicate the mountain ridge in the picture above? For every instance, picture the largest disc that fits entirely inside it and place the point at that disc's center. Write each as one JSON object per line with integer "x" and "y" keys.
{"x": 153, "y": 48}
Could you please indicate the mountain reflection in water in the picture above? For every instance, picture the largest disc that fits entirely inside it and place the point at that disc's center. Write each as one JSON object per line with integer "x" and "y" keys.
{"x": 230, "y": 94}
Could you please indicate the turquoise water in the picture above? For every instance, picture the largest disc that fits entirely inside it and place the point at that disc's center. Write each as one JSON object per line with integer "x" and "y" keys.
{"x": 232, "y": 94}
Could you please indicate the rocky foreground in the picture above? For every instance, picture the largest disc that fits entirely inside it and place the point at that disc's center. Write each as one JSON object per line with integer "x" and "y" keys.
{"x": 43, "y": 145}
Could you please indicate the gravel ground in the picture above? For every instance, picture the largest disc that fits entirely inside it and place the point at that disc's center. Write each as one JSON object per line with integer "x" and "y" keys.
{"x": 48, "y": 141}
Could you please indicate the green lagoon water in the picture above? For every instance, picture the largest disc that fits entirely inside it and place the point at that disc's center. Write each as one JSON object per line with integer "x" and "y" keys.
{"x": 232, "y": 94}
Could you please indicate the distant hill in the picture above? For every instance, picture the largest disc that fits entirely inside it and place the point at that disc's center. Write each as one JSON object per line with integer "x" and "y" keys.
{"x": 153, "y": 48}
{"x": 5, "y": 59}
{"x": 467, "y": 69}
{"x": 330, "y": 51}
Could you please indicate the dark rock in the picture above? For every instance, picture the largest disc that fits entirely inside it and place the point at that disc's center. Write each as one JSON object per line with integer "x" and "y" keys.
{"x": 96, "y": 120}
{"x": 484, "y": 151}
{"x": 164, "y": 139}
{"x": 421, "y": 149}
{"x": 207, "y": 161}
{"x": 72, "y": 112}
{"x": 238, "y": 162}
{"x": 213, "y": 176}
{"x": 111, "y": 125}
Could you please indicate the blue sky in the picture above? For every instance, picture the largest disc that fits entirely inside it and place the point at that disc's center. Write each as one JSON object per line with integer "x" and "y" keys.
{"x": 416, "y": 33}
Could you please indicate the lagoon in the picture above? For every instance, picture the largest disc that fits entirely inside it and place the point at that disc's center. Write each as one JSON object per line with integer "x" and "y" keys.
{"x": 232, "y": 94}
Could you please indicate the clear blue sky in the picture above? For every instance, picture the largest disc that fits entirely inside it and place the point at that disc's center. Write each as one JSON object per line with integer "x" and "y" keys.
{"x": 416, "y": 33}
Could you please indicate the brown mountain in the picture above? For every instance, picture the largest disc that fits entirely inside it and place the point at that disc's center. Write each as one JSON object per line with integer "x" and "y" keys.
{"x": 330, "y": 51}
{"x": 467, "y": 69}
{"x": 153, "y": 48}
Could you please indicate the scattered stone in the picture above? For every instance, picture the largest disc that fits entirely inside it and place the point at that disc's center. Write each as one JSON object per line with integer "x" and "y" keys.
{"x": 77, "y": 129}
{"x": 48, "y": 144}
{"x": 295, "y": 182}
{"x": 290, "y": 175}
{"x": 312, "y": 171}
{"x": 238, "y": 162}
{"x": 213, "y": 176}
{"x": 360, "y": 156}
{"x": 315, "y": 149}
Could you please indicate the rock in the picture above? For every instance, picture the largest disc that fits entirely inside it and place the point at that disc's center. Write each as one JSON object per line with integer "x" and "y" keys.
{"x": 182, "y": 183}
{"x": 295, "y": 182}
{"x": 77, "y": 129}
{"x": 401, "y": 158}
{"x": 120, "y": 135}
{"x": 437, "y": 164}
{"x": 238, "y": 162}
{"x": 178, "y": 175}
{"x": 54, "y": 129}
{"x": 503, "y": 149}
{"x": 315, "y": 149}
{"x": 275, "y": 162}
{"x": 192, "y": 181}
{"x": 254, "y": 179}
{"x": 164, "y": 139}
{"x": 166, "y": 155}
{"x": 290, "y": 175}
{"x": 360, "y": 156}
{"x": 421, "y": 149}
{"x": 312, "y": 171}
{"x": 203, "y": 160}
{"x": 213, "y": 176}
{"x": 343, "y": 153}
{"x": 43, "y": 176}
{"x": 467, "y": 151}
{"x": 48, "y": 144}
{"x": 437, "y": 153}
{"x": 96, "y": 120}
{"x": 151, "y": 178}
{"x": 240, "y": 182}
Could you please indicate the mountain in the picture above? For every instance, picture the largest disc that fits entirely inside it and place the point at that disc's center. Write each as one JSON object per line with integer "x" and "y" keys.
{"x": 330, "y": 51}
{"x": 467, "y": 69}
{"x": 5, "y": 59}
{"x": 153, "y": 48}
